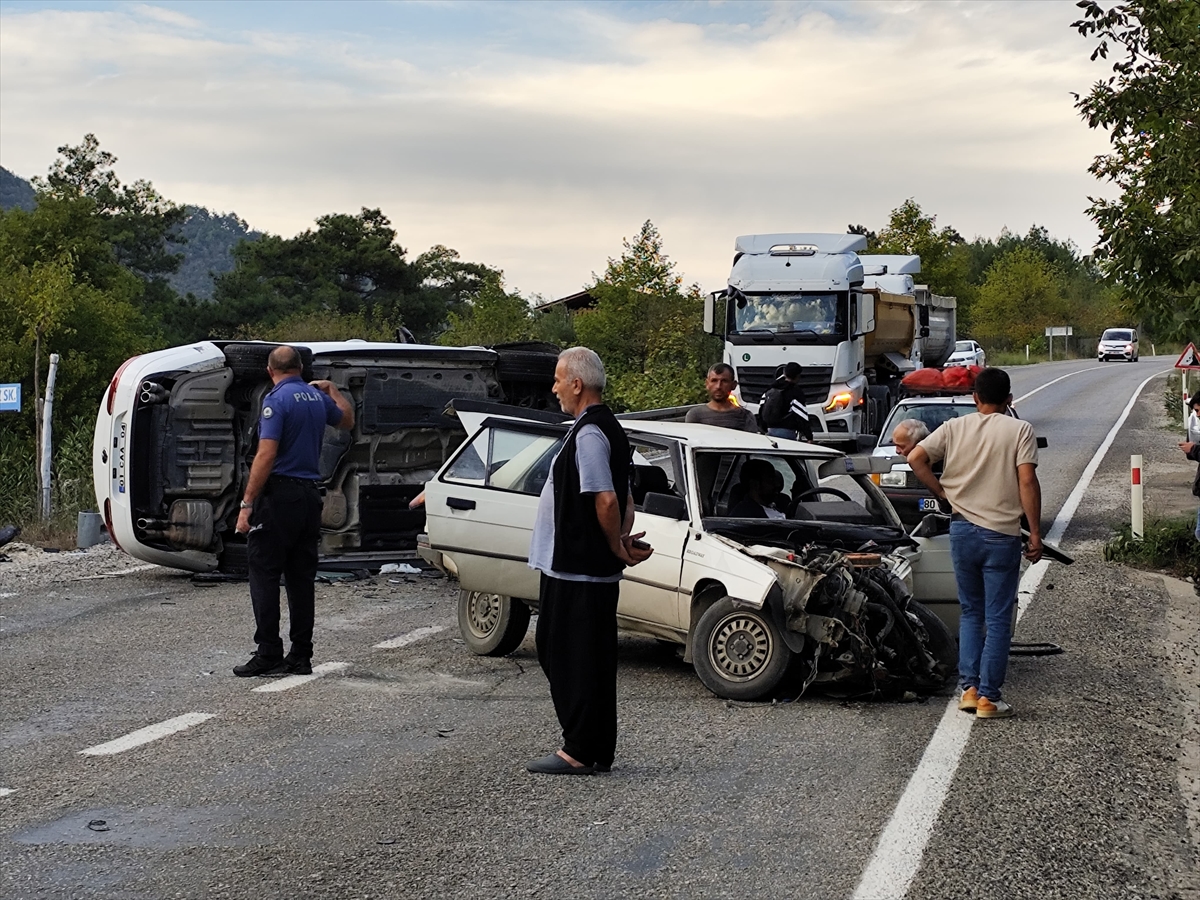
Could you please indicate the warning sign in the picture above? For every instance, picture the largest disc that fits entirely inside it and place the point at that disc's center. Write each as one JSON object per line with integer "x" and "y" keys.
{"x": 1189, "y": 359}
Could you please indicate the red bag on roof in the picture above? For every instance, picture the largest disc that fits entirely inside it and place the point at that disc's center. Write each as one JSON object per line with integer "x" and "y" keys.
{"x": 958, "y": 378}
{"x": 924, "y": 380}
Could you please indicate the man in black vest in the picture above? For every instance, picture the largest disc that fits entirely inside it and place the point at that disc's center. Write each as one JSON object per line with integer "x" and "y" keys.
{"x": 581, "y": 543}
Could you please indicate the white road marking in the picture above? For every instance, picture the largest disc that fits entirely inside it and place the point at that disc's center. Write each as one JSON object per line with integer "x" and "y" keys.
{"x": 1055, "y": 381}
{"x": 290, "y": 681}
{"x": 147, "y": 734}
{"x": 411, "y": 638}
{"x": 129, "y": 571}
{"x": 4, "y": 792}
{"x": 897, "y": 857}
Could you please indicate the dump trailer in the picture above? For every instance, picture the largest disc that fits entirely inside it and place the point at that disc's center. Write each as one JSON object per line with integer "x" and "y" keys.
{"x": 855, "y": 323}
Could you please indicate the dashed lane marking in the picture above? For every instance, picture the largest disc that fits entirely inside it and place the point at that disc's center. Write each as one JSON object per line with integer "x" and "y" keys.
{"x": 4, "y": 792}
{"x": 897, "y": 857}
{"x": 291, "y": 681}
{"x": 411, "y": 638}
{"x": 147, "y": 734}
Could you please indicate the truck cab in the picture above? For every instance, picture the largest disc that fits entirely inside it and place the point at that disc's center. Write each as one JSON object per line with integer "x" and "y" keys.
{"x": 856, "y": 324}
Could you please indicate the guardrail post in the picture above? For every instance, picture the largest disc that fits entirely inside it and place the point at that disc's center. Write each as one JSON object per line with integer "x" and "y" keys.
{"x": 1135, "y": 504}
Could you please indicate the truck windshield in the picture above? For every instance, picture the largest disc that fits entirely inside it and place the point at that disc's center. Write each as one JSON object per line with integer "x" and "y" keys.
{"x": 816, "y": 314}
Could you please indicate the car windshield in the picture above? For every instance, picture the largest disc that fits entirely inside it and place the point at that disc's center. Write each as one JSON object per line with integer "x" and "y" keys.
{"x": 786, "y": 487}
{"x": 932, "y": 414}
{"x": 963, "y": 347}
{"x": 1117, "y": 335}
{"x": 817, "y": 314}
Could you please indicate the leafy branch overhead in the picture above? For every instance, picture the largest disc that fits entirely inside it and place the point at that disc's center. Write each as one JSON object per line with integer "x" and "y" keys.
{"x": 1150, "y": 106}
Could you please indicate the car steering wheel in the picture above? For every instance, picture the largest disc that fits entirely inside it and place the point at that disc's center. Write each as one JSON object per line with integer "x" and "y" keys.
{"x": 812, "y": 492}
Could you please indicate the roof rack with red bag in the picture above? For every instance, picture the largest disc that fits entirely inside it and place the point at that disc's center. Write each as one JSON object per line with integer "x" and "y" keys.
{"x": 930, "y": 382}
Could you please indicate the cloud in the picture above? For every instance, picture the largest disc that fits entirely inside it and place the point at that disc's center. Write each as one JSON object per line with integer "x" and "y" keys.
{"x": 537, "y": 145}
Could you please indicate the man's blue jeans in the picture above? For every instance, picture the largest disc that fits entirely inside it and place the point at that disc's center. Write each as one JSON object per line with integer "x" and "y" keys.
{"x": 1198, "y": 525}
{"x": 987, "y": 566}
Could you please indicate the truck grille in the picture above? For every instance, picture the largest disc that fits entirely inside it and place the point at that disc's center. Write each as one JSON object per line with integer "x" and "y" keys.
{"x": 754, "y": 381}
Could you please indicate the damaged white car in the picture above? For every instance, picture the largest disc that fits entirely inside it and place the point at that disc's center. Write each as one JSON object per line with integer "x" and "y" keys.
{"x": 829, "y": 585}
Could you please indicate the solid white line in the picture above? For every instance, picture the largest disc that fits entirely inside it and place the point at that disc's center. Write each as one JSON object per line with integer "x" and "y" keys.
{"x": 1055, "y": 381}
{"x": 897, "y": 857}
{"x": 4, "y": 792}
{"x": 412, "y": 637}
{"x": 147, "y": 734}
{"x": 290, "y": 681}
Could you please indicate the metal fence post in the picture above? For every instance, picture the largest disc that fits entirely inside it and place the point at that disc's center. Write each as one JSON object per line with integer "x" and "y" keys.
{"x": 47, "y": 414}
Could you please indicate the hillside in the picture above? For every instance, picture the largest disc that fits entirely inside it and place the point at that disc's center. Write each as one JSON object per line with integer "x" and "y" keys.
{"x": 15, "y": 191}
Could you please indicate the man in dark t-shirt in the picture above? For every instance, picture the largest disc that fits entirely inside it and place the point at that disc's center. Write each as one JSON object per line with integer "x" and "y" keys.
{"x": 720, "y": 409}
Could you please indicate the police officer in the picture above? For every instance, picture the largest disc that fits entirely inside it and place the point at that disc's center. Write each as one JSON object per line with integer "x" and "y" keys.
{"x": 281, "y": 511}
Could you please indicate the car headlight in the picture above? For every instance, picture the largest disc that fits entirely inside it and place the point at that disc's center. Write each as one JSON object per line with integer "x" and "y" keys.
{"x": 892, "y": 479}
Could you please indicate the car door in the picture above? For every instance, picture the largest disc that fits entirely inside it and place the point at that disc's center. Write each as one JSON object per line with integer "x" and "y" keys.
{"x": 650, "y": 591}
{"x": 481, "y": 507}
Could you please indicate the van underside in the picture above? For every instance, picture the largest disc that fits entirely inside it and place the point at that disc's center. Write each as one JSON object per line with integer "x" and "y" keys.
{"x": 194, "y": 436}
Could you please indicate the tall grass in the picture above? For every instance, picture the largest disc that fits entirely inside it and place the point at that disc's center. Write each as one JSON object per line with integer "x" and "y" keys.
{"x": 71, "y": 482}
{"x": 1168, "y": 544}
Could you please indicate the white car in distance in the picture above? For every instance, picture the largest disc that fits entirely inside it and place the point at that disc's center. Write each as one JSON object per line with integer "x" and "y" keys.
{"x": 967, "y": 353}
{"x": 833, "y": 585}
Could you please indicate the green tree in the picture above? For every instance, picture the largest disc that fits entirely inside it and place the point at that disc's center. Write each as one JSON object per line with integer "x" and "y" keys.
{"x": 944, "y": 262}
{"x": 1021, "y": 294}
{"x": 493, "y": 316}
{"x": 1150, "y": 106}
{"x": 647, "y": 328}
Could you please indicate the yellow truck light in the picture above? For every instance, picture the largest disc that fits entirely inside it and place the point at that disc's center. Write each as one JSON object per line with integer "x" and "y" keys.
{"x": 839, "y": 401}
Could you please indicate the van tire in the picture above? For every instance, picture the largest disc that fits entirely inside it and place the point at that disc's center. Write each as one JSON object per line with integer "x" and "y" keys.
{"x": 738, "y": 652}
{"x": 250, "y": 360}
{"x": 492, "y": 624}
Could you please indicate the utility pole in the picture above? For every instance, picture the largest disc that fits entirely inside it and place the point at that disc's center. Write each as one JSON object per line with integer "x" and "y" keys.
{"x": 47, "y": 414}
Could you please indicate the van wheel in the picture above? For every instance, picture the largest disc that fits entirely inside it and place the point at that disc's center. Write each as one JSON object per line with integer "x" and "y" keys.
{"x": 492, "y": 624}
{"x": 250, "y": 360}
{"x": 739, "y": 653}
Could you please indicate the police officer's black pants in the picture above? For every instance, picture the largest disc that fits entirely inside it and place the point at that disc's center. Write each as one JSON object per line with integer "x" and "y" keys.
{"x": 577, "y": 648}
{"x": 285, "y": 526}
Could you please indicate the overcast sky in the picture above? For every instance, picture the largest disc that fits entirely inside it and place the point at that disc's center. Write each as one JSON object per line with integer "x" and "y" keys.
{"x": 534, "y": 136}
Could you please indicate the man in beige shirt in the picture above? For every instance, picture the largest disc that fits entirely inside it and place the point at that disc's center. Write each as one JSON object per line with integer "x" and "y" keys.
{"x": 989, "y": 478}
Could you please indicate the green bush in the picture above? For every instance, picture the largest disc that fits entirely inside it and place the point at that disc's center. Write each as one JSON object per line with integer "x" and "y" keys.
{"x": 71, "y": 468}
{"x": 1168, "y": 544}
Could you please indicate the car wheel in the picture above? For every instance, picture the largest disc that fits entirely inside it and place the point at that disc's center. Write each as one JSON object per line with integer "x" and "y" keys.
{"x": 941, "y": 643}
{"x": 739, "y": 653}
{"x": 492, "y": 624}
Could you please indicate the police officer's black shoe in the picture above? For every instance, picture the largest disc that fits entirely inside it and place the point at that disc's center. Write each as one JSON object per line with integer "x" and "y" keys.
{"x": 259, "y": 665}
{"x": 297, "y": 666}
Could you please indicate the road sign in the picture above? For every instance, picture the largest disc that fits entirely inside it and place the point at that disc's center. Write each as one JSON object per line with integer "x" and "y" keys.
{"x": 1059, "y": 331}
{"x": 1189, "y": 359}
{"x": 10, "y": 398}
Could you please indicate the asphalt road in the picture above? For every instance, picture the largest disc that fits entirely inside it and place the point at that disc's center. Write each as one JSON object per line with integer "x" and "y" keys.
{"x": 401, "y": 773}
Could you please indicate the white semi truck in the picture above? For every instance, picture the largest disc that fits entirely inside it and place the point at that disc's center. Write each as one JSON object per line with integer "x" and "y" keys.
{"x": 855, "y": 323}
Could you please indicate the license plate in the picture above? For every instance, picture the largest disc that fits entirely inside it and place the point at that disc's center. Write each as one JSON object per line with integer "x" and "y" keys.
{"x": 929, "y": 504}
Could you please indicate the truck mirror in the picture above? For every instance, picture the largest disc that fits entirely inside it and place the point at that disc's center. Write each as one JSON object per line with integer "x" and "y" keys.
{"x": 866, "y": 313}
{"x": 711, "y": 304}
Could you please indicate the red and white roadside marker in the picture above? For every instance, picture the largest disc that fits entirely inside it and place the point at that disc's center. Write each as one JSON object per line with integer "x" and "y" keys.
{"x": 1135, "y": 498}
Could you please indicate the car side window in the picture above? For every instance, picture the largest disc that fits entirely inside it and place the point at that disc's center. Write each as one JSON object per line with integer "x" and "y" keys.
{"x": 653, "y": 471}
{"x": 504, "y": 459}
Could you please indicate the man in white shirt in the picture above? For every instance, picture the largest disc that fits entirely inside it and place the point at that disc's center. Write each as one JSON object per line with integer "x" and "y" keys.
{"x": 990, "y": 479}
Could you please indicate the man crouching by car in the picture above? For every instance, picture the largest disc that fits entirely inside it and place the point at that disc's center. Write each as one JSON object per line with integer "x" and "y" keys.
{"x": 281, "y": 511}
{"x": 580, "y": 544}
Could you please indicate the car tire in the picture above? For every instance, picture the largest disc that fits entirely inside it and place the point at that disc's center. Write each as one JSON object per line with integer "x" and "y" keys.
{"x": 250, "y": 360}
{"x": 738, "y": 652}
{"x": 942, "y": 644}
{"x": 492, "y": 624}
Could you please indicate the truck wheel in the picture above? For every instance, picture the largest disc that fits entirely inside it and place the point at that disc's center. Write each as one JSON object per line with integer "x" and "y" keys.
{"x": 941, "y": 643}
{"x": 250, "y": 360}
{"x": 739, "y": 653}
{"x": 492, "y": 624}
{"x": 879, "y": 404}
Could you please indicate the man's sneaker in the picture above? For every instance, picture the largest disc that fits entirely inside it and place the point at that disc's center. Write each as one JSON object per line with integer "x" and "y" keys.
{"x": 298, "y": 666}
{"x": 992, "y": 709}
{"x": 968, "y": 699}
{"x": 260, "y": 665}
